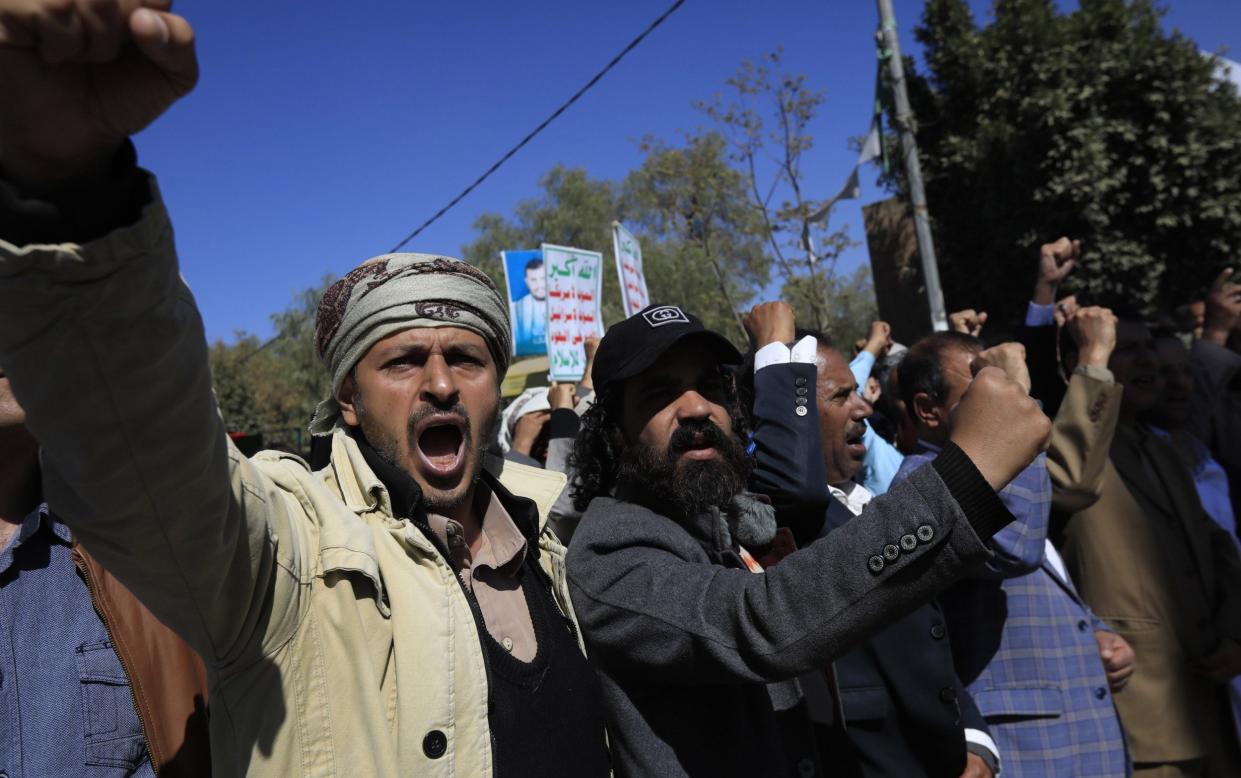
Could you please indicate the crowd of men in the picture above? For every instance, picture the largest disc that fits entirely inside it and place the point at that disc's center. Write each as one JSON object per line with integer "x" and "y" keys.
{"x": 971, "y": 556}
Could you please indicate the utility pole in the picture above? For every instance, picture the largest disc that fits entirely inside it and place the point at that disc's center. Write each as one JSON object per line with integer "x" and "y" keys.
{"x": 890, "y": 48}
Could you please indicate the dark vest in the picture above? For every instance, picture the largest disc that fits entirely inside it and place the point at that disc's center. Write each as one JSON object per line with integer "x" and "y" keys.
{"x": 546, "y": 715}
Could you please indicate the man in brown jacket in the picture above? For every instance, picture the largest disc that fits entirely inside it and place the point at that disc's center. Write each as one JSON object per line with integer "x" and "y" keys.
{"x": 1150, "y": 563}
{"x": 88, "y": 677}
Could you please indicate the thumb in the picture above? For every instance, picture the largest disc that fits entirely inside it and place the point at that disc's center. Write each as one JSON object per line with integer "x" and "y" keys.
{"x": 167, "y": 40}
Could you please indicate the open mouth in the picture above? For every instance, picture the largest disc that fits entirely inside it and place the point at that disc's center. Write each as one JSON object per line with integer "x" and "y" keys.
{"x": 441, "y": 445}
{"x": 1145, "y": 381}
{"x": 698, "y": 447}
{"x": 854, "y": 441}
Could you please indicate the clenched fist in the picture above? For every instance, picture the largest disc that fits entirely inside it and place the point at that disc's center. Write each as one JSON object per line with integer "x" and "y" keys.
{"x": 999, "y": 427}
{"x": 1009, "y": 357}
{"x": 772, "y": 322}
{"x": 1055, "y": 262}
{"x": 1223, "y": 308}
{"x": 968, "y": 322}
{"x": 77, "y": 77}
{"x": 1094, "y": 331}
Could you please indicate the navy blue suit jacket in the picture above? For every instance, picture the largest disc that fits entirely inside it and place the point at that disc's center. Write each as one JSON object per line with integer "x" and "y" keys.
{"x": 905, "y": 709}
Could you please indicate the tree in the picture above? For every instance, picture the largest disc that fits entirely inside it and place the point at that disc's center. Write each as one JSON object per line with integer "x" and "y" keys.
{"x": 1095, "y": 124}
{"x": 767, "y": 119}
{"x": 703, "y": 244}
{"x": 271, "y": 388}
{"x": 572, "y": 209}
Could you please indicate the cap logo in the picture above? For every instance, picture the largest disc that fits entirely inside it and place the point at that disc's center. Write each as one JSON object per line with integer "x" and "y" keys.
{"x": 665, "y": 314}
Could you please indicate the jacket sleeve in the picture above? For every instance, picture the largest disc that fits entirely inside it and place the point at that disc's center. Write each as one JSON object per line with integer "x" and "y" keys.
{"x": 1043, "y": 360}
{"x": 564, "y": 517}
{"x": 788, "y": 448}
{"x": 1081, "y": 439}
{"x": 1215, "y": 367}
{"x": 105, "y": 351}
{"x": 1019, "y": 547}
{"x": 651, "y": 604}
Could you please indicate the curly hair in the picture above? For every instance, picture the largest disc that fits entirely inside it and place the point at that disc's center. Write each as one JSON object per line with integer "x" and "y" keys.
{"x": 600, "y": 445}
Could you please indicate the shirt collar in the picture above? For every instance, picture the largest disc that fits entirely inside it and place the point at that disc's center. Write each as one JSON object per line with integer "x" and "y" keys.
{"x": 926, "y": 447}
{"x": 502, "y": 547}
{"x": 36, "y": 519}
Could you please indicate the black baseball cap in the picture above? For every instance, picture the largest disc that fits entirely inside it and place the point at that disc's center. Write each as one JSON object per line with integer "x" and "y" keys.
{"x": 633, "y": 345}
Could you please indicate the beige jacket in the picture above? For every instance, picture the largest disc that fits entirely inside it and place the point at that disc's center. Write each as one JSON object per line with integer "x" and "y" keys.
{"x": 337, "y": 640}
{"x": 1127, "y": 567}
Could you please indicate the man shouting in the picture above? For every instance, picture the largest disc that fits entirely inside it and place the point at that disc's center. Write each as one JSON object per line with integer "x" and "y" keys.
{"x": 398, "y": 613}
{"x": 693, "y": 646}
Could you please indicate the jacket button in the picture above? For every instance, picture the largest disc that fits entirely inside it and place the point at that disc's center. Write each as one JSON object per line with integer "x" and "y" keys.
{"x": 947, "y": 694}
{"x": 801, "y": 410}
{"x": 802, "y": 401}
{"x": 435, "y": 744}
{"x": 938, "y": 631}
{"x": 875, "y": 564}
{"x": 801, "y": 381}
{"x": 925, "y": 533}
{"x": 802, "y": 391}
{"x": 805, "y": 767}
{"x": 891, "y": 552}
{"x": 1100, "y": 692}
{"x": 1082, "y": 625}
{"x": 908, "y": 543}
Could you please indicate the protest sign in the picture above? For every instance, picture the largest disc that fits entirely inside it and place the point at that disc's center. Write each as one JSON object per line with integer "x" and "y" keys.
{"x": 527, "y": 300}
{"x": 574, "y": 288}
{"x": 629, "y": 268}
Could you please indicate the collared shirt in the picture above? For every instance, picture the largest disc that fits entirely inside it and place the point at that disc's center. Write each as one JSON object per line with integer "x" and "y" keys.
{"x": 882, "y": 460}
{"x": 492, "y": 575}
{"x": 1210, "y": 480}
{"x": 64, "y": 696}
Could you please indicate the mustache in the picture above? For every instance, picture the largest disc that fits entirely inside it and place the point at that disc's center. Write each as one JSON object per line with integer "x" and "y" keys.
{"x": 426, "y": 411}
{"x": 702, "y": 433}
{"x": 855, "y": 430}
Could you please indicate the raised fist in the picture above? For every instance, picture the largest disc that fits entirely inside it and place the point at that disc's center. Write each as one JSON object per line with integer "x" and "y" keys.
{"x": 879, "y": 340}
{"x": 1094, "y": 331}
{"x": 772, "y": 322}
{"x": 561, "y": 396}
{"x": 968, "y": 321}
{"x": 1009, "y": 357}
{"x": 1223, "y": 308}
{"x": 77, "y": 77}
{"x": 999, "y": 427}
{"x": 1055, "y": 262}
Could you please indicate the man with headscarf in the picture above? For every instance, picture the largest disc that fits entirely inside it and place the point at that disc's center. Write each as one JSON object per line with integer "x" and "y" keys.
{"x": 399, "y": 612}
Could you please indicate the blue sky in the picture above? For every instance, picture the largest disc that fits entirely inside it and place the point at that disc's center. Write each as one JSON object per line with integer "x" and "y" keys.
{"x": 322, "y": 133}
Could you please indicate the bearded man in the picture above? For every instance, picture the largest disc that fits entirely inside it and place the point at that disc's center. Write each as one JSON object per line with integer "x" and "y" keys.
{"x": 694, "y": 648}
{"x": 399, "y": 612}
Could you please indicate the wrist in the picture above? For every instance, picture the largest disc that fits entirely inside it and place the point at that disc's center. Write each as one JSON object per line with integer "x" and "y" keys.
{"x": 1045, "y": 293}
{"x": 1095, "y": 356}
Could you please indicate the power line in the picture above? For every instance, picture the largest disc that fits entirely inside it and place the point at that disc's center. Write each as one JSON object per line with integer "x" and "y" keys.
{"x": 564, "y": 106}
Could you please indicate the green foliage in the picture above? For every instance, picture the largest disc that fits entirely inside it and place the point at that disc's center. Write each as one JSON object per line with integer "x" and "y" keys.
{"x": 272, "y": 388}
{"x": 1094, "y": 124}
{"x": 572, "y": 209}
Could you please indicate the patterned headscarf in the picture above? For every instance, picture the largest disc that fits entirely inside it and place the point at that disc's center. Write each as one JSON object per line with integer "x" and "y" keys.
{"x": 394, "y": 292}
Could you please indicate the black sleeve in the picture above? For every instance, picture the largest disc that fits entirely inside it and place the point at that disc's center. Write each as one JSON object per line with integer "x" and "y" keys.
{"x": 1046, "y": 382}
{"x": 788, "y": 448}
{"x": 81, "y": 212}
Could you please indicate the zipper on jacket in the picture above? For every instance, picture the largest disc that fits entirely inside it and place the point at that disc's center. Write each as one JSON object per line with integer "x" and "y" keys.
{"x": 93, "y": 591}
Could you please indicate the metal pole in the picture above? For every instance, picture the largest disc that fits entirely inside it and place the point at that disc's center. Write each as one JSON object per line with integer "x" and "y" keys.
{"x": 891, "y": 48}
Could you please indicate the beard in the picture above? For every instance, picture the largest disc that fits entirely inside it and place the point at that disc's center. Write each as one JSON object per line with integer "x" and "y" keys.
{"x": 388, "y": 447}
{"x": 683, "y": 489}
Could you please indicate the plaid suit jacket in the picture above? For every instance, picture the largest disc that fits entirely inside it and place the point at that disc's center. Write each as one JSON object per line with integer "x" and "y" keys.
{"x": 1023, "y": 643}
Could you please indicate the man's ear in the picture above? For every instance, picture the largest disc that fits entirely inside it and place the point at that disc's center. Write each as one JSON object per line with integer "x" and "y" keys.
{"x": 926, "y": 410}
{"x": 347, "y": 398}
